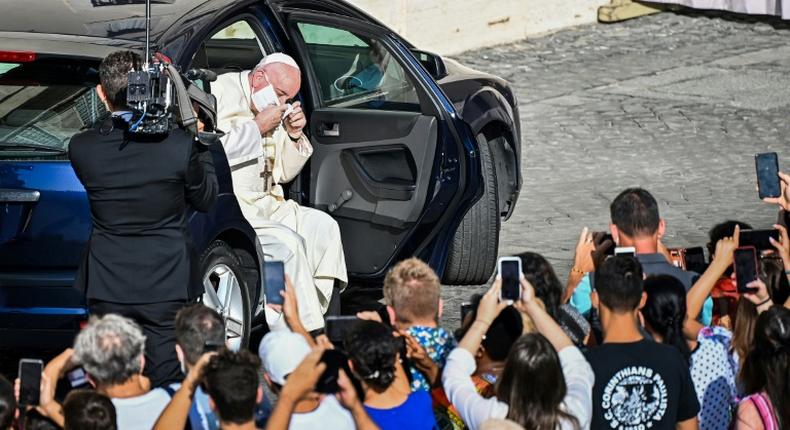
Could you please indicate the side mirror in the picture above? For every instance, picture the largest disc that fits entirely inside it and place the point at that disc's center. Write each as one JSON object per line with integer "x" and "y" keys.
{"x": 433, "y": 63}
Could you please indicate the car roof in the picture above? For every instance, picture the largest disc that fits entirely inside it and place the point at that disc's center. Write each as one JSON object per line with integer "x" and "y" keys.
{"x": 94, "y": 28}
{"x": 109, "y": 19}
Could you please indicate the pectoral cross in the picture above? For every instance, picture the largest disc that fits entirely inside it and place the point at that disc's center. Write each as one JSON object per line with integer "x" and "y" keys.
{"x": 266, "y": 174}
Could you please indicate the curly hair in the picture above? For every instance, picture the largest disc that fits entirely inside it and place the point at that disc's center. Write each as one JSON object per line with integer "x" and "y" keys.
{"x": 373, "y": 352}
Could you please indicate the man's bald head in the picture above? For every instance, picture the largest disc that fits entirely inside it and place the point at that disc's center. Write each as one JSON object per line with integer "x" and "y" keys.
{"x": 279, "y": 70}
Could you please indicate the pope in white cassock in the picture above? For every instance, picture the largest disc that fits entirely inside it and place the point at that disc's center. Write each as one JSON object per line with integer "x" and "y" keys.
{"x": 265, "y": 147}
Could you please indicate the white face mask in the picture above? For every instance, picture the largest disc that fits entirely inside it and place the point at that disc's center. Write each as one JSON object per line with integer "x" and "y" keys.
{"x": 265, "y": 97}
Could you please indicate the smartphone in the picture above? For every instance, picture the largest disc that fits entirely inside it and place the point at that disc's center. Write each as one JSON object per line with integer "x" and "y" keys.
{"x": 509, "y": 272}
{"x": 604, "y": 237}
{"x": 334, "y": 360}
{"x": 275, "y": 282}
{"x": 745, "y": 268}
{"x": 338, "y": 326}
{"x": 760, "y": 239}
{"x": 211, "y": 346}
{"x": 695, "y": 259}
{"x": 625, "y": 250}
{"x": 30, "y": 381}
{"x": 767, "y": 165}
{"x": 77, "y": 377}
{"x": 466, "y": 309}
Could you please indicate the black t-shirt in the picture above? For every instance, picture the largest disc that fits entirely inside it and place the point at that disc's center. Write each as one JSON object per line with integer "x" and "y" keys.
{"x": 640, "y": 385}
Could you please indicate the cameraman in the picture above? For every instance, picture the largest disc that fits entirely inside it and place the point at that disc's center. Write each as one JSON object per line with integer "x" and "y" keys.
{"x": 140, "y": 261}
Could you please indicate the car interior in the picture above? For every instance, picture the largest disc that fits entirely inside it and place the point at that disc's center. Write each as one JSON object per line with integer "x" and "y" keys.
{"x": 373, "y": 147}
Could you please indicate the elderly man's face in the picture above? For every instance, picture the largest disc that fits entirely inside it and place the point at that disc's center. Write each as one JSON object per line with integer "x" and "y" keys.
{"x": 284, "y": 79}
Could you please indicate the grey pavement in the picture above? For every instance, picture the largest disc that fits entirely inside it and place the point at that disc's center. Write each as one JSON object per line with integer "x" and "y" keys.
{"x": 677, "y": 104}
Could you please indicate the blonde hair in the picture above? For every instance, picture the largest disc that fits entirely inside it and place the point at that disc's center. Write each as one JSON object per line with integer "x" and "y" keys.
{"x": 413, "y": 291}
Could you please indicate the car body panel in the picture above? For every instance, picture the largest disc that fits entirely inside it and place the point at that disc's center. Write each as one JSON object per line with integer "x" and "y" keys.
{"x": 463, "y": 101}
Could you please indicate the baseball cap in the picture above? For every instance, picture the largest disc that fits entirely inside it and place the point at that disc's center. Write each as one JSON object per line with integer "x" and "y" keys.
{"x": 281, "y": 352}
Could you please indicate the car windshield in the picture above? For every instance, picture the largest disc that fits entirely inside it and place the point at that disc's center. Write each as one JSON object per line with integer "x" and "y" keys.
{"x": 44, "y": 103}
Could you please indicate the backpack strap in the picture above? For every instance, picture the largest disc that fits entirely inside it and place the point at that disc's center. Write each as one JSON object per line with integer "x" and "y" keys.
{"x": 169, "y": 390}
{"x": 763, "y": 406}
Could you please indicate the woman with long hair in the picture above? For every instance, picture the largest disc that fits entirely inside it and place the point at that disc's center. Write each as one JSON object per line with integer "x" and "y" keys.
{"x": 546, "y": 383}
{"x": 374, "y": 358}
{"x": 670, "y": 316}
{"x": 548, "y": 289}
{"x": 766, "y": 374}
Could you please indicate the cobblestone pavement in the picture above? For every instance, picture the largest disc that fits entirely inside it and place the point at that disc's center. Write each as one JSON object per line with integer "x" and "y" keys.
{"x": 678, "y": 104}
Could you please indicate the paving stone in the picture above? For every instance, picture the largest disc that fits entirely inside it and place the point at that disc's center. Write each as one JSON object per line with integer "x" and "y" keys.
{"x": 676, "y": 103}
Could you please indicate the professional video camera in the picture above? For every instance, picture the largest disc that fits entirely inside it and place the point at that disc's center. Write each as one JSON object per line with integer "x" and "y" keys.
{"x": 159, "y": 96}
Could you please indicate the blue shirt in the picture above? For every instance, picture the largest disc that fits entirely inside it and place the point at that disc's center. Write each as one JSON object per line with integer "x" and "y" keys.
{"x": 416, "y": 413}
{"x": 652, "y": 264}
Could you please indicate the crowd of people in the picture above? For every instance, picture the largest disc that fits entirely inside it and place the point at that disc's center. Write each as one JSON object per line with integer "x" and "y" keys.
{"x": 628, "y": 342}
{"x": 640, "y": 356}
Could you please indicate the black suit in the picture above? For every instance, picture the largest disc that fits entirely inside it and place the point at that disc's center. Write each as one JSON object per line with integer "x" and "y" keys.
{"x": 140, "y": 257}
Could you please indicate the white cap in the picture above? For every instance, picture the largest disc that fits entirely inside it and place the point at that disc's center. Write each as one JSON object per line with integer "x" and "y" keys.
{"x": 281, "y": 352}
{"x": 278, "y": 57}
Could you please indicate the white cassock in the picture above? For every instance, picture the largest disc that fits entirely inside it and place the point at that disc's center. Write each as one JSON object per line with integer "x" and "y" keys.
{"x": 313, "y": 238}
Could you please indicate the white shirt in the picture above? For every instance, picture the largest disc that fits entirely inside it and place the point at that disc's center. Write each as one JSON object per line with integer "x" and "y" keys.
{"x": 141, "y": 412}
{"x": 475, "y": 409}
{"x": 329, "y": 414}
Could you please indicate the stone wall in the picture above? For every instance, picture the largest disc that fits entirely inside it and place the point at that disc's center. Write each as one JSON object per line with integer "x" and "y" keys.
{"x": 453, "y": 26}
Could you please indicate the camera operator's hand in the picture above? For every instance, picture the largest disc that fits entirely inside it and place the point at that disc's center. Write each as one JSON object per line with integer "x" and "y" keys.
{"x": 784, "y": 198}
{"x": 270, "y": 118}
{"x": 295, "y": 121}
{"x": 420, "y": 358}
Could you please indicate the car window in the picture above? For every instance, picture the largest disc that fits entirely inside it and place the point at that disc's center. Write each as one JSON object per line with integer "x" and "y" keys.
{"x": 356, "y": 71}
{"x": 232, "y": 48}
{"x": 44, "y": 103}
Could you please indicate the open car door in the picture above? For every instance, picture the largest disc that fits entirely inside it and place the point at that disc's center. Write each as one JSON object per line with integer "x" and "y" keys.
{"x": 377, "y": 138}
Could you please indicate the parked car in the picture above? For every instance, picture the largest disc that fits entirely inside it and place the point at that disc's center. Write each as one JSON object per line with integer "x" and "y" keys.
{"x": 413, "y": 154}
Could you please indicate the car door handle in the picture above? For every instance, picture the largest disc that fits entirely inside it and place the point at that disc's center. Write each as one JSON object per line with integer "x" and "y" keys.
{"x": 330, "y": 129}
{"x": 19, "y": 196}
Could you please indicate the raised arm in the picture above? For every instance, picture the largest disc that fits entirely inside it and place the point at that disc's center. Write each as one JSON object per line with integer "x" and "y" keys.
{"x": 544, "y": 323}
{"x": 699, "y": 292}
{"x": 176, "y": 413}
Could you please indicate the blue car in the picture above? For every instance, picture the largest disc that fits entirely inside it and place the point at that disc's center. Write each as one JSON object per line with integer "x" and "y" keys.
{"x": 413, "y": 154}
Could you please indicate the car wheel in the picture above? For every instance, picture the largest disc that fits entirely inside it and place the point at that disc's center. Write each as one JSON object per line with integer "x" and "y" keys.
{"x": 473, "y": 251}
{"x": 225, "y": 290}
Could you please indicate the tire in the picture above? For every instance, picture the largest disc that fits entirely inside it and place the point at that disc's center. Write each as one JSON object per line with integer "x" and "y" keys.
{"x": 221, "y": 268}
{"x": 473, "y": 252}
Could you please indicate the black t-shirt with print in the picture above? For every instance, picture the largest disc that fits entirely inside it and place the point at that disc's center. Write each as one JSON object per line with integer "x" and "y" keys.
{"x": 639, "y": 386}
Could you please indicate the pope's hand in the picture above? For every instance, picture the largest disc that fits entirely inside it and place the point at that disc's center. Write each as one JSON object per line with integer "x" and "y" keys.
{"x": 295, "y": 121}
{"x": 269, "y": 118}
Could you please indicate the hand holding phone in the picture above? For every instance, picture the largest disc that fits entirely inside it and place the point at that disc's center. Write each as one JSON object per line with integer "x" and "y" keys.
{"x": 745, "y": 268}
{"x": 334, "y": 360}
{"x": 759, "y": 239}
{"x": 509, "y": 273}
{"x": 767, "y": 166}
{"x": 275, "y": 282}
{"x": 30, "y": 381}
